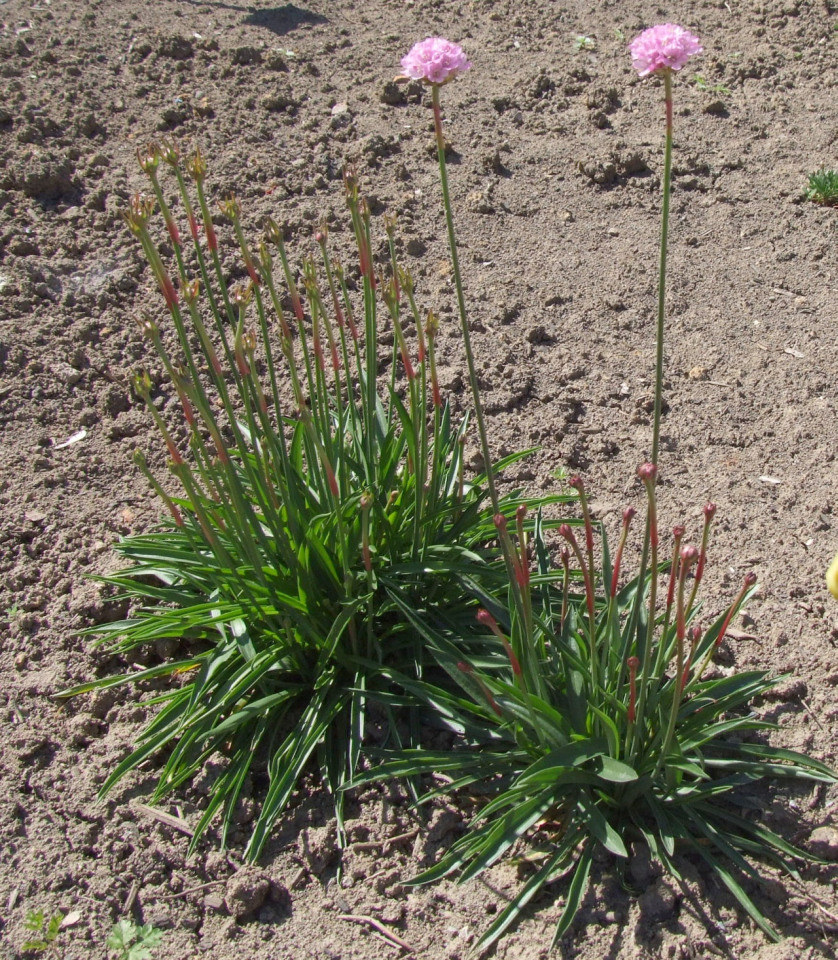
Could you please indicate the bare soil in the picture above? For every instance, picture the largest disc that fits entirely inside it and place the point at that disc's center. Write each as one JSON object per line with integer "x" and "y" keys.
{"x": 556, "y": 177}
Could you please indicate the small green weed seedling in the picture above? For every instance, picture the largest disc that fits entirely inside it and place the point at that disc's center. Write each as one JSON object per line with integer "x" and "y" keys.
{"x": 581, "y": 43}
{"x": 719, "y": 88}
{"x": 131, "y": 942}
{"x": 822, "y": 187}
{"x": 44, "y": 932}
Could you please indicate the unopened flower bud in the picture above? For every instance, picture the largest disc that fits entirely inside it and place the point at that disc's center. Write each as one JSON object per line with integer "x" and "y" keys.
{"x": 576, "y": 483}
{"x": 750, "y": 579}
{"x": 231, "y": 207}
{"x": 274, "y": 231}
{"x": 149, "y": 158}
{"x": 190, "y": 290}
{"x": 405, "y": 279}
{"x": 521, "y": 512}
{"x": 709, "y": 511}
{"x": 689, "y": 554}
{"x": 500, "y": 522}
{"x": 628, "y": 515}
{"x": 170, "y": 154}
{"x": 148, "y": 326}
{"x": 142, "y": 383}
{"x": 485, "y": 618}
{"x": 647, "y": 472}
{"x": 196, "y": 166}
{"x": 678, "y": 531}
{"x": 138, "y": 213}
{"x": 243, "y": 293}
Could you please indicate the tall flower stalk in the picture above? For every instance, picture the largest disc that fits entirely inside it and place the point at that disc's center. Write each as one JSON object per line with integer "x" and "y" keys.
{"x": 663, "y": 49}
{"x": 435, "y": 62}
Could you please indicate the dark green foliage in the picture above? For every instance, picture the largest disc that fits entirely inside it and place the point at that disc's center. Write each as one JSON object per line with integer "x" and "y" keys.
{"x": 316, "y": 498}
{"x": 598, "y": 720}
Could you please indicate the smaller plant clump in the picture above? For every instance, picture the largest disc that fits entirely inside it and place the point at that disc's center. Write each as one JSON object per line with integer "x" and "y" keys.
{"x": 598, "y": 720}
{"x": 822, "y": 187}
{"x": 130, "y": 941}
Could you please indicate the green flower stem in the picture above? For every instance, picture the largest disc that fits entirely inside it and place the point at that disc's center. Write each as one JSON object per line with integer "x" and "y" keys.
{"x": 667, "y": 184}
{"x": 677, "y": 684}
{"x": 646, "y": 657}
{"x": 461, "y": 303}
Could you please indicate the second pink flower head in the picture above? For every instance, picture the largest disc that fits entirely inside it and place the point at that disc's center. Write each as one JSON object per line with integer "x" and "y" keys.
{"x": 435, "y": 61}
{"x": 663, "y": 47}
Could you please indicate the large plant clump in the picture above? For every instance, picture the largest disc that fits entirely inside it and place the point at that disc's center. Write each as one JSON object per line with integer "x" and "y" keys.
{"x": 317, "y": 501}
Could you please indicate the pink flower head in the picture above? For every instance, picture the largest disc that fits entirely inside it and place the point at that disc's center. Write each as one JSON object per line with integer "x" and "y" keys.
{"x": 663, "y": 47}
{"x": 435, "y": 61}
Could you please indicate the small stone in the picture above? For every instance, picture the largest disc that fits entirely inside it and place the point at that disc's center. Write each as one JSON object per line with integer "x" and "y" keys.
{"x": 66, "y": 374}
{"x": 278, "y": 101}
{"x": 823, "y": 841}
{"x": 601, "y": 173}
{"x": 159, "y": 917}
{"x": 275, "y": 61}
{"x": 214, "y": 901}
{"x": 539, "y": 334}
{"x": 442, "y": 823}
{"x": 246, "y": 891}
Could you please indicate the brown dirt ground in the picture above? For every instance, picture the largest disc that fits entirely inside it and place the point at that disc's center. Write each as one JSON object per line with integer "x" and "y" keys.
{"x": 557, "y": 189}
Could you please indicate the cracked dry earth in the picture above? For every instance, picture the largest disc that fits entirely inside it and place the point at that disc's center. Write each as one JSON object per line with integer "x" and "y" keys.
{"x": 556, "y": 181}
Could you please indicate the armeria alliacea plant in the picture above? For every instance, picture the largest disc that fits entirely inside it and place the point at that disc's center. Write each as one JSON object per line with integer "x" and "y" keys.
{"x": 313, "y": 500}
{"x": 592, "y": 721}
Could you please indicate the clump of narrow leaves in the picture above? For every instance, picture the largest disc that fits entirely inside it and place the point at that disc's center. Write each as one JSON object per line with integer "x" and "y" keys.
{"x": 314, "y": 505}
{"x": 822, "y": 187}
{"x": 595, "y": 718}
